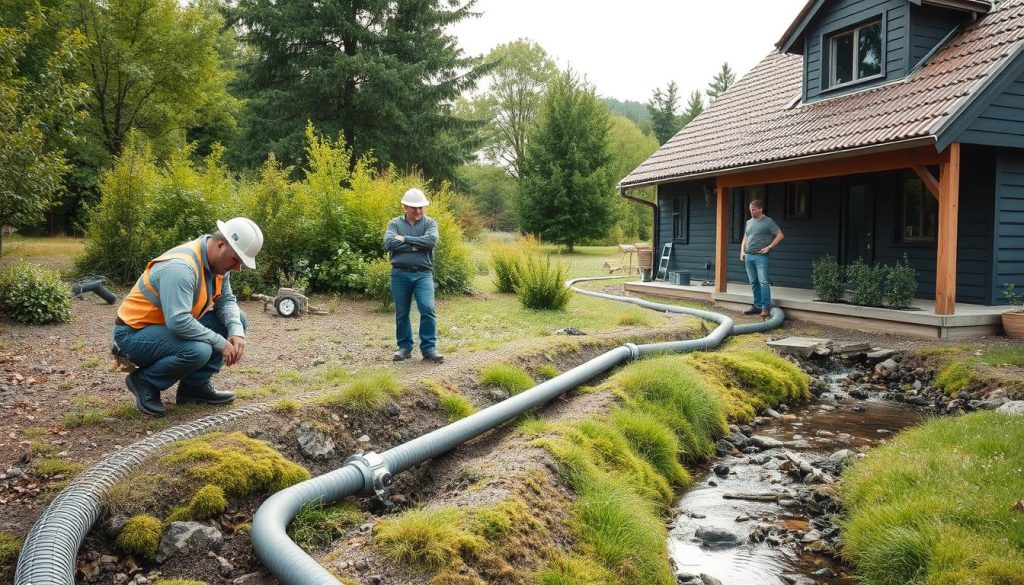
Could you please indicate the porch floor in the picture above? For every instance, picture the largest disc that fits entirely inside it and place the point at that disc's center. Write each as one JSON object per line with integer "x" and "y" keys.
{"x": 799, "y": 304}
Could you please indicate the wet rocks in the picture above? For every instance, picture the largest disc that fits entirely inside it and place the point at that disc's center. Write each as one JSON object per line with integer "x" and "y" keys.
{"x": 713, "y": 537}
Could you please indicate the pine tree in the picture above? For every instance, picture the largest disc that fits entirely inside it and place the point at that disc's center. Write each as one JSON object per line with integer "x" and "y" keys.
{"x": 567, "y": 185}
{"x": 721, "y": 82}
{"x": 693, "y": 107}
{"x": 382, "y": 74}
{"x": 663, "y": 112}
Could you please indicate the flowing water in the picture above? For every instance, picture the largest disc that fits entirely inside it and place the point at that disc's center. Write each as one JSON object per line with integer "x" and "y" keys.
{"x": 813, "y": 432}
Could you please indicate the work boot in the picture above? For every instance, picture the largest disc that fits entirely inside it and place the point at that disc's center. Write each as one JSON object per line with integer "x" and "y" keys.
{"x": 205, "y": 394}
{"x": 765, "y": 314}
{"x": 147, "y": 397}
{"x": 753, "y": 310}
{"x": 432, "y": 355}
{"x": 401, "y": 355}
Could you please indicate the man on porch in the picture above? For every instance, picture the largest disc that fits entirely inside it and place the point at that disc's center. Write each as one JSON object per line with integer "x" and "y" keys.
{"x": 760, "y": 237}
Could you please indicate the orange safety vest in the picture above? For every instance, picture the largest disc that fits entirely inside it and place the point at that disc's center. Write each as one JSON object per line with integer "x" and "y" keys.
{"x": 142, "y": 306}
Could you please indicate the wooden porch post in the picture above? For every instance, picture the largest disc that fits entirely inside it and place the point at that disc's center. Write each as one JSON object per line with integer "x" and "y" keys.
{"x": 949, "y": 211}
{"x": 721, "y": 241}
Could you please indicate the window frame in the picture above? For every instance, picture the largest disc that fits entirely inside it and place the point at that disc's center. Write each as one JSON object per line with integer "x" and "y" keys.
{"x": 681, "y": 219}
{"x": 794, "y": 190}
{"x": 742, "y": 196}
{"x": 828, "y": 46}
{"x": 926, "y": 197}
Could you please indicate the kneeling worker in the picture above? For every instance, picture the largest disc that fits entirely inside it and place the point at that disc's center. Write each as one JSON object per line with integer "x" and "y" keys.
{"x": 181, "y": 323}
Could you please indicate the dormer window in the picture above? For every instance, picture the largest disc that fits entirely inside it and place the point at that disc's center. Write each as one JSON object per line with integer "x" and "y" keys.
{"x": 855, "y": 54}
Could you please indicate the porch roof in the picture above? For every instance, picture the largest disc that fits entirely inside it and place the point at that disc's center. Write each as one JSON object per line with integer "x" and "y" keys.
{"x": 760, "y": 120}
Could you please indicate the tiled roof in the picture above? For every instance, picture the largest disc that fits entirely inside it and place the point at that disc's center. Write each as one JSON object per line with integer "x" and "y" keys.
{"x": 755, "y": 122}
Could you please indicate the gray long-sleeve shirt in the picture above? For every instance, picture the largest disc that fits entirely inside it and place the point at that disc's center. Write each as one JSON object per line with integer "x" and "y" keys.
{"x": 417, "y": 251}
{"x": 176, "y": 283}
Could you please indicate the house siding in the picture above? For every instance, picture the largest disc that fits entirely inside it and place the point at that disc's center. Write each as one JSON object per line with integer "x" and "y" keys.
{"x": 1008, "y": 218}
{"x": 928, "y": 26}
{"x": 1001, "y": 123}
{"x": 979, "y": 254}
{"x": 845, "y": 13}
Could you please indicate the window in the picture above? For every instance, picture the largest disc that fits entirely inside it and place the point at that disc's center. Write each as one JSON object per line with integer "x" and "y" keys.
{"x": 920, "y": 212}
{"x": 855, "y": 54}
{"x": 680, "y": 218}
{"x": 741, "y": 203}
{"x": 798, "y": 200}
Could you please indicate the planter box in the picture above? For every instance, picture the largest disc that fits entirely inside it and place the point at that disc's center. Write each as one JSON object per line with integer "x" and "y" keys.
{"x": 1013, "y": 324}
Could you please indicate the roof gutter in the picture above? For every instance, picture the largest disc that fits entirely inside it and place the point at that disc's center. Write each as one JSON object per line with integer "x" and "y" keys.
{"x": 653, "y": 205}
{"x": 789, "y": 162}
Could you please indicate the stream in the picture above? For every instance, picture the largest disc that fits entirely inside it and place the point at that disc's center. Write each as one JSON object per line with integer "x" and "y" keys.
{"x": 771, "y": 542}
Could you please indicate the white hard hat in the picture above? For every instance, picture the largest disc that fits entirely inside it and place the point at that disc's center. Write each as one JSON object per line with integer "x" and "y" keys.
{"x": 244, "y": 237}
{"x": 415, "y": 198}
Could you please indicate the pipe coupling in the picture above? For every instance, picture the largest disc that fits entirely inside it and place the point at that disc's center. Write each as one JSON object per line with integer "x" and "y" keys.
{"x": 634, "y": 351}
{"x": 377, "y": 478}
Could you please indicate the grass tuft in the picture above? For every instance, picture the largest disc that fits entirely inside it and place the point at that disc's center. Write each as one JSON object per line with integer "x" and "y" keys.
{"x": 289, "y": 405}
{"x": 635, "y": 318}
{"x": 208, "y": 502}
{"x": 369, "y": 391}
{"x": 575, "y": 570}
{"x": 317, "y": 526}
{"x": 937, "y": 504}
{"x": 140, "y": 537}
{"x": 10, "y": 546}
{"x": 432, "y": 539}
{"x": 512, "y": 379}
{"x": 47, "y": 467}
{"x": 547, "y": 372}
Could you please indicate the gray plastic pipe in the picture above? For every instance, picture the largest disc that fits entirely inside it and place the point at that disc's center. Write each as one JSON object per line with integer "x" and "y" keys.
{"x": 370, "y": 472}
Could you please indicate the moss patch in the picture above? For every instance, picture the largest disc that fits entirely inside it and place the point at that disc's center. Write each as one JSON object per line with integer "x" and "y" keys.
{"x": 208, "y": 502}
{"x": 47, "y": 467}
{"x": 430, "y": 539}
{"x": 10, "y": 546}
{"x": 235, "y": 463}
{"x": 141, "y": 537}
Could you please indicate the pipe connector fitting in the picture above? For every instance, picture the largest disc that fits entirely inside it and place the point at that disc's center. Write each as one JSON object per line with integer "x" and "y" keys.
{"x": 377, "y": 478}
{"x": 634, "y": 351}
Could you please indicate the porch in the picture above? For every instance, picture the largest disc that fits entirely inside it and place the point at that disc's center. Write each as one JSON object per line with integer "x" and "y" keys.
{"x": 922, "y": 321}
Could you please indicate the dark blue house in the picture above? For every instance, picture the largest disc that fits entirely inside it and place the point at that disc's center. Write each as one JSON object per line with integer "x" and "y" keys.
{"x": 877, "y": 129}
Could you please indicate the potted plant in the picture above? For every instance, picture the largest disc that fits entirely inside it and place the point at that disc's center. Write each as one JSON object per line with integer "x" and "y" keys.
{"x": 1013, "y": 320}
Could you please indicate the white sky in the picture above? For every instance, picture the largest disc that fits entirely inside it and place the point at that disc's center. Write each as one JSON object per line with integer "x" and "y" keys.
{"x": 628, "y": 48}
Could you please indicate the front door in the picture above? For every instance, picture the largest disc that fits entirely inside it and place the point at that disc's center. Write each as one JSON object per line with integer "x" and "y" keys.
{"x": 858, "y": 226}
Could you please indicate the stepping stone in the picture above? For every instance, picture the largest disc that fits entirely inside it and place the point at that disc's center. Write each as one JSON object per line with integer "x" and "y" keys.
{"x": 802, "y": 346}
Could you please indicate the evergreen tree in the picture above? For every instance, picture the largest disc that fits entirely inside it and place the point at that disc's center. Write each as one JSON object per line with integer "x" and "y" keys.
{"x": 37, "y": 105}
{"x": 721, "y": 82}
{"x": 665, "y": 119}
{"x": 567, "y": 185}
{"x": 693, "y": 107}
{"x": 382, "y": 74}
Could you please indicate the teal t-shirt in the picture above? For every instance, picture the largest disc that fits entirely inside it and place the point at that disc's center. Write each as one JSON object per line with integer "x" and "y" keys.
{"x": 760, "y": 233}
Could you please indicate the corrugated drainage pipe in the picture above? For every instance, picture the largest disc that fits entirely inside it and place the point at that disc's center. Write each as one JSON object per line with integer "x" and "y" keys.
{"x": 370, "y": 472}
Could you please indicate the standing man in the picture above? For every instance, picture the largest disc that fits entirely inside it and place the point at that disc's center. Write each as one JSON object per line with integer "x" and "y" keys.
{"x": 181, "y": 323}
{"x": 760, "y": 237}
{"x": 410, "y": 239}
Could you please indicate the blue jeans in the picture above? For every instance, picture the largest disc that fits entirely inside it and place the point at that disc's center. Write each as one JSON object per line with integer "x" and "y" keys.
{"x": 164, "y": 358}
{"x": 757, "y": 273}
{"x": 406, "y": 286}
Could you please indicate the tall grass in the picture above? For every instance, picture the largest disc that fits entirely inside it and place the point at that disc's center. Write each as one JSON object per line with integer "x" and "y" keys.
{"x": 512, "y": 379}
{"x": 542, "y": 285}
{"x": 938, "y": 504}
{"x": 369, "y": 391}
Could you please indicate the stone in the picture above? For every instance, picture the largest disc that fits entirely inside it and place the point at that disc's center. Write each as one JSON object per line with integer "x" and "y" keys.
{"x": 802, "y": 346}
{"x": 315, "y": 443}
{"x": 723, "y": 447}
{"x": 887, "y": 368}
{"x": 1014, "y": 407}
{"x": 224, "y": 566}
{"x": 709, "y": 580}
{"x": 762, "y": 442}
{"x": 713, "y": 537}
{"x": 113, "y": 525}
{"x": 191, "y": 537}
{"x": 497, "y": 395}
{"x": 721, "y": 470}
{"x": 879, "y": 355}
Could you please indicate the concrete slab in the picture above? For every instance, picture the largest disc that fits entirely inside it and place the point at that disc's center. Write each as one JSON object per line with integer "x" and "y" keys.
{"x": 803, "y": 346}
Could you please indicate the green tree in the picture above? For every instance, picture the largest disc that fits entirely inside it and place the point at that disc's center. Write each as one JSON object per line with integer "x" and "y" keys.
{"x": 694, "y": 107}
{"x": 664, "y": 117}
{"x": 629, "y": 146}
{"x": 36, "y": 109}
{"x": 382, "y": 74}
{"x": 721, "y": 82}
{"x": 520, "y": 76}
{"x": 567, "y": 181}
{"x": 152, "y": 66}
{"x": 635, "y": 111}
{"x": 493, "y": 191}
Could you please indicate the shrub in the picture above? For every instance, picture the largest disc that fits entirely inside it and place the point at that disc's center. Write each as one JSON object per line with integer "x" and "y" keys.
{"x": 827, "y": 279}
{"x": 901, "y": 284}
{"x": 867, "y": 283}
{"x": 140, "y": 537}
{"x": 34, "y": 295}
{"x": 512, "y": 379}
{"x": 508, "y": 265}
{"x": 376, "y": 283}
{"x": 542, "y": 286}
{"x": 1013, "y": 298}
